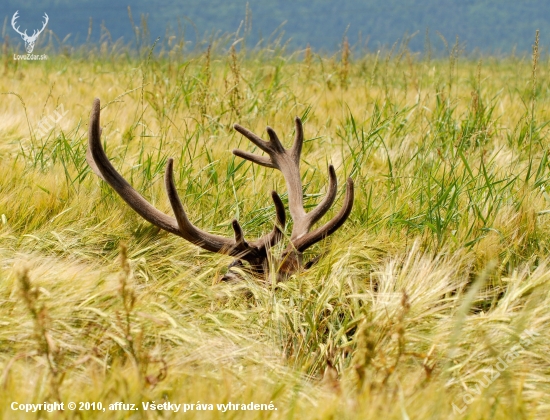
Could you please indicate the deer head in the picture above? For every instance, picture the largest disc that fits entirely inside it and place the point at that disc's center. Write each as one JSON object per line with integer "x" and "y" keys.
{"x": 29, "y": 40}
{"x": 254, "y": 254}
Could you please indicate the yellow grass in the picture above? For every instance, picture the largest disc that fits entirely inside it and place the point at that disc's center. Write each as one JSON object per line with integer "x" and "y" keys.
{"x": 416, "y": 302}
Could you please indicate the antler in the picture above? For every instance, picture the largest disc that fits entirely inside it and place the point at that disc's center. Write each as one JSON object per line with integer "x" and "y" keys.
{"x": 35, "y": 33}
{"x": 288, "y": 162}
{"x": 13, "y": 19}
{"x": 255, "y": 253}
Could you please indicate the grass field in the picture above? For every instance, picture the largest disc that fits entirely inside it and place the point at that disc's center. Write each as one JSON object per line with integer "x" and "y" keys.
{"x": 431, "y": 302}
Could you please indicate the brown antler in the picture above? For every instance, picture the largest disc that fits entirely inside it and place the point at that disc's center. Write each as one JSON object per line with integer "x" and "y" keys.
{"x": 255, "y": 253}
{"x": 288, "y": 162}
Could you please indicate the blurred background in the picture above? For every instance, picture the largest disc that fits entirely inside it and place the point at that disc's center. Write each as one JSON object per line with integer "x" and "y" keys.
{"x": 487, "y": 26}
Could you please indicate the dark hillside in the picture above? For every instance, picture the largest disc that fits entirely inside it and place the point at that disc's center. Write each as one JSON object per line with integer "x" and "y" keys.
{"x": 487, "y": 25}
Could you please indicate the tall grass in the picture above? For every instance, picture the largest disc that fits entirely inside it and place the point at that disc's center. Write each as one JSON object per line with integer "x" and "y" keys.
{"x": 440, "y": 269}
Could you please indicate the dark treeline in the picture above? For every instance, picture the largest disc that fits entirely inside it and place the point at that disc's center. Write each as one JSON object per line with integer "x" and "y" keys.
{"x": 495, "y": 26}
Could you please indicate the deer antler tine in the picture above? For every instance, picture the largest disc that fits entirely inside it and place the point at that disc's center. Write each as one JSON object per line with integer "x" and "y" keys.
{"x": 238, "y": 248}
{"x": 260, "y": 160}
{"x": 187, "y": 230}
{"x": 173, "y": 197}
{"x": 277, "y": 233}
{"x": 315, "y": 215}
{"x": 239, "y": 235}
{"x": 279, "y": 209}
{"x": 298, "y": 140}
{"x": 275, "y": 142}
{"x": 330, "y": 227}
{"x": 262, "y": 144}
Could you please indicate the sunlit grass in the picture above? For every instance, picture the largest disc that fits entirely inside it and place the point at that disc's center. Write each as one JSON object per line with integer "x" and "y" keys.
{"x": 440, "y": 269}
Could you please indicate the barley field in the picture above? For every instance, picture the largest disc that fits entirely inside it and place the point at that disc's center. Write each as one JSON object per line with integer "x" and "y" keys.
{"x": 431, "y": 302}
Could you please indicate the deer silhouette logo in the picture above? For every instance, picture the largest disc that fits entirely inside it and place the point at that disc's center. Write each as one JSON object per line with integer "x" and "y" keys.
{"x": 29, "y": 40}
